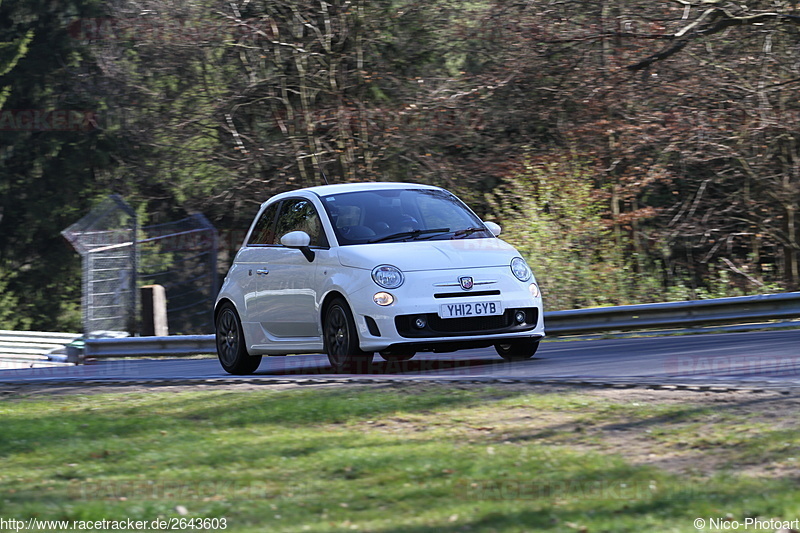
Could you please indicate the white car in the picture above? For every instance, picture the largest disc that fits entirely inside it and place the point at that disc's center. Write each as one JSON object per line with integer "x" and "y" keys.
{"x": 353, "y": 269}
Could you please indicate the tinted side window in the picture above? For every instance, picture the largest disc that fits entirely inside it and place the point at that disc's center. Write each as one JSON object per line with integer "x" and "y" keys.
{"x": 300, "y": 215}
{"x": 264, "y": 232}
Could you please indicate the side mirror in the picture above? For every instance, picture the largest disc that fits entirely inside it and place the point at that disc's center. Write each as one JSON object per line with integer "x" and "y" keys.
{"x": 494, "y": 228}
{"x": 299, "y": 240}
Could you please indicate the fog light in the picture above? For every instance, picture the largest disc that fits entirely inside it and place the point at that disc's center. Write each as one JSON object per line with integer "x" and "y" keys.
{"x": 383, "y": 298}
{"x": 519, "y": 316}
{"x": 420, "y": 322}
{"x": 535, "y": 292}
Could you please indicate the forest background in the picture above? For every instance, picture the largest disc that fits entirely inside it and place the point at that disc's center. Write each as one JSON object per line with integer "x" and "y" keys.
{"x": 633, "y": 150}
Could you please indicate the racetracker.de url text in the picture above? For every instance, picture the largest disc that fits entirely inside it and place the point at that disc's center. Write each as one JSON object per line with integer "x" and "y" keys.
{"x": 127, "y": 524}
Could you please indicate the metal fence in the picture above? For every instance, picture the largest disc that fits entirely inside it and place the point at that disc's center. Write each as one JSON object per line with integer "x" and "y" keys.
{"x": 118, "y": 257}
{"x": 182, "y": 257}
{"x": 106, "y": 240}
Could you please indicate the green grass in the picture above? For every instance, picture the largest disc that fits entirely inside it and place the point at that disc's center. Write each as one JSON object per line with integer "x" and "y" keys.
{"x": 401, "y": 459}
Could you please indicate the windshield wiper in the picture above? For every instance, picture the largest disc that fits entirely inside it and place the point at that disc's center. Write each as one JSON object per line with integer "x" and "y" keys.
{"x": 410, "y": 234}
{"x": 467, "y": 231}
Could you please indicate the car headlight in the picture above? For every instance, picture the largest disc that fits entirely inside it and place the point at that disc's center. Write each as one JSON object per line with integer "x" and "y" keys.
{"x": 521, "y": 269}
{"x": 387, "y": 276}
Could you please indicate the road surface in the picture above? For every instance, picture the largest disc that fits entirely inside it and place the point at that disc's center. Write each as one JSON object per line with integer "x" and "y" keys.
{"x": 769, "y": 358}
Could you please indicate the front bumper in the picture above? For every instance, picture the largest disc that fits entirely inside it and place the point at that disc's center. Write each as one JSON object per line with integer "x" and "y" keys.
{"x": 395, "y": 326}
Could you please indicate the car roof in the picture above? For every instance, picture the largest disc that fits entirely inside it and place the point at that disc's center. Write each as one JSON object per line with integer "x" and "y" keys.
{"x": 339, "y": 188}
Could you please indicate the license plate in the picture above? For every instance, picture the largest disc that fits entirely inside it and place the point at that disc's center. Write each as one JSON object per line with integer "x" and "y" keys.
{"x": 461, "y": 310}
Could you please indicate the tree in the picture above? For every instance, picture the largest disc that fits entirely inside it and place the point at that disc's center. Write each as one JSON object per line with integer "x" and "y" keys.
{"x": 675, "y": 120}
{"x": 53, "y": 160}
{"x": 228, "y": 106}
{"x": 552, "y": 213}
{"x": 10, "y": 54}
{"x": 737, "y": 98}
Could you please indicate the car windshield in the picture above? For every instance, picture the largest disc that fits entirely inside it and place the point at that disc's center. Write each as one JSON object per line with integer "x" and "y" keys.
{"x": 400, "y": 215}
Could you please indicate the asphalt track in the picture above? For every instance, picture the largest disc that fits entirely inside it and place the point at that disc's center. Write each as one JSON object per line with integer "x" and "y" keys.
{"x": 767, "y": 359}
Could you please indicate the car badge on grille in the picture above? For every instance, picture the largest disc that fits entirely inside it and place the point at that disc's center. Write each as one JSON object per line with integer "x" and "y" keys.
{"x": 466, "y": 282}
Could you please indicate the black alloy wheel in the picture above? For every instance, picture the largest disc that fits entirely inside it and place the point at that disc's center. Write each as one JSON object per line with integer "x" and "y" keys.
{"x": 231, "y": 348}
{"x": 341, "y": 340}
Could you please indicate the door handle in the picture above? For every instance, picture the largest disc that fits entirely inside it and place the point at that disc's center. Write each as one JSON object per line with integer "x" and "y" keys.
{"x": 262, "y": 271}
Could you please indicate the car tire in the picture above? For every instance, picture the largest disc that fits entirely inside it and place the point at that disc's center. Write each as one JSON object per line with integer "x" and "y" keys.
{"x": 231, "y": 348}
{"x": 518, "y": 349}
{"x": 394, "y": 357}
{"x": 341, "y": 340}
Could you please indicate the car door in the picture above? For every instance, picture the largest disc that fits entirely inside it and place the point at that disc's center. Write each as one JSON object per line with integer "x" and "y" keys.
{"x": 285, "y": 302}
{"x": 245, "y": 270}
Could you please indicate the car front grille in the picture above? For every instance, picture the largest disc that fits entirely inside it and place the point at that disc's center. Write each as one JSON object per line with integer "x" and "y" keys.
{"x": 465, "y": 294}
{"x": 453, "y": 327}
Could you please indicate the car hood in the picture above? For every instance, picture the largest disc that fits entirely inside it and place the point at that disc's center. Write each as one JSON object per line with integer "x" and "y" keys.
{"x": 429, "y": 255}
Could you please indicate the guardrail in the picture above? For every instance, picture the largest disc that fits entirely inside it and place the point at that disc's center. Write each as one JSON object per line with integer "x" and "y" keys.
{"x": 20, "y": 349}
{"x": 691, "y": 314}
{"x": 643, "y": 317}
{"x": 174, "y": 345}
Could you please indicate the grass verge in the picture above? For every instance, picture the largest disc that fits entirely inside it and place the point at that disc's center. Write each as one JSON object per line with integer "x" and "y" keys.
{"x": 410, "y": 458}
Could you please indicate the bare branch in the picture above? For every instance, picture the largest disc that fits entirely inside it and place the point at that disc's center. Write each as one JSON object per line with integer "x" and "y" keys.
{"x": 711, "y": 21}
